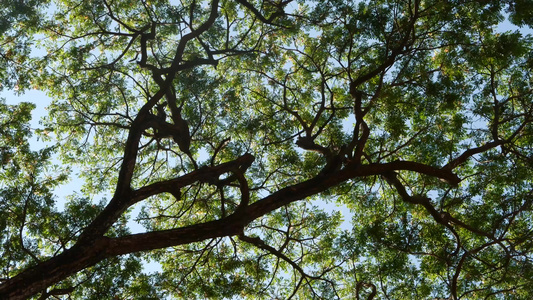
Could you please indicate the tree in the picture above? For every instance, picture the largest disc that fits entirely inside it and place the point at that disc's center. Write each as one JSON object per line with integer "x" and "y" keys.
{"x": 229, "y": 124}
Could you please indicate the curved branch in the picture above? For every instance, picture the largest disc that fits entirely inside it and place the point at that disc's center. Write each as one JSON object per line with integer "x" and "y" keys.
{"x": 260, "y": 16}
{"x": 93, "y": 248}
{"x": 471, "y": 152}
{"x": 204, "y": 174}
{"x": 443, "y": 218}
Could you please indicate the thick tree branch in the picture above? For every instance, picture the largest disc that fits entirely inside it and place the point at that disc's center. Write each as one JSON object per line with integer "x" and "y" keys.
{"x": 279, "y": 12}
{"x": 204, "y": 174}
{"x": 193, "y": 34}
{"x": 54, "y": 270}
{"x": 88, "y": 252}
{"x": 229, "y": 226}
{"x": 123, "y": 192}
{"x": 471, "y": 152}
{"x": 322, "y": 182}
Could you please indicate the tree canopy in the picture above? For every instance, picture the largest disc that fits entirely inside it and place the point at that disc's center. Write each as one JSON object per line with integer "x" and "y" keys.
{"x": 270, "y": 149}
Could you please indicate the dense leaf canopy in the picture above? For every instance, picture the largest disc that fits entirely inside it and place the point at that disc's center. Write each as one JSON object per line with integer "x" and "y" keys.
{"x": 270, "y": 149}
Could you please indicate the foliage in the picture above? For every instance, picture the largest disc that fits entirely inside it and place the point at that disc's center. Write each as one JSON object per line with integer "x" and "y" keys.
{"x": 270, "y": 149}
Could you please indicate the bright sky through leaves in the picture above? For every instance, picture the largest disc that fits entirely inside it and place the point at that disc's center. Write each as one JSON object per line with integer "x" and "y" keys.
{"x": 223, "y": 126}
